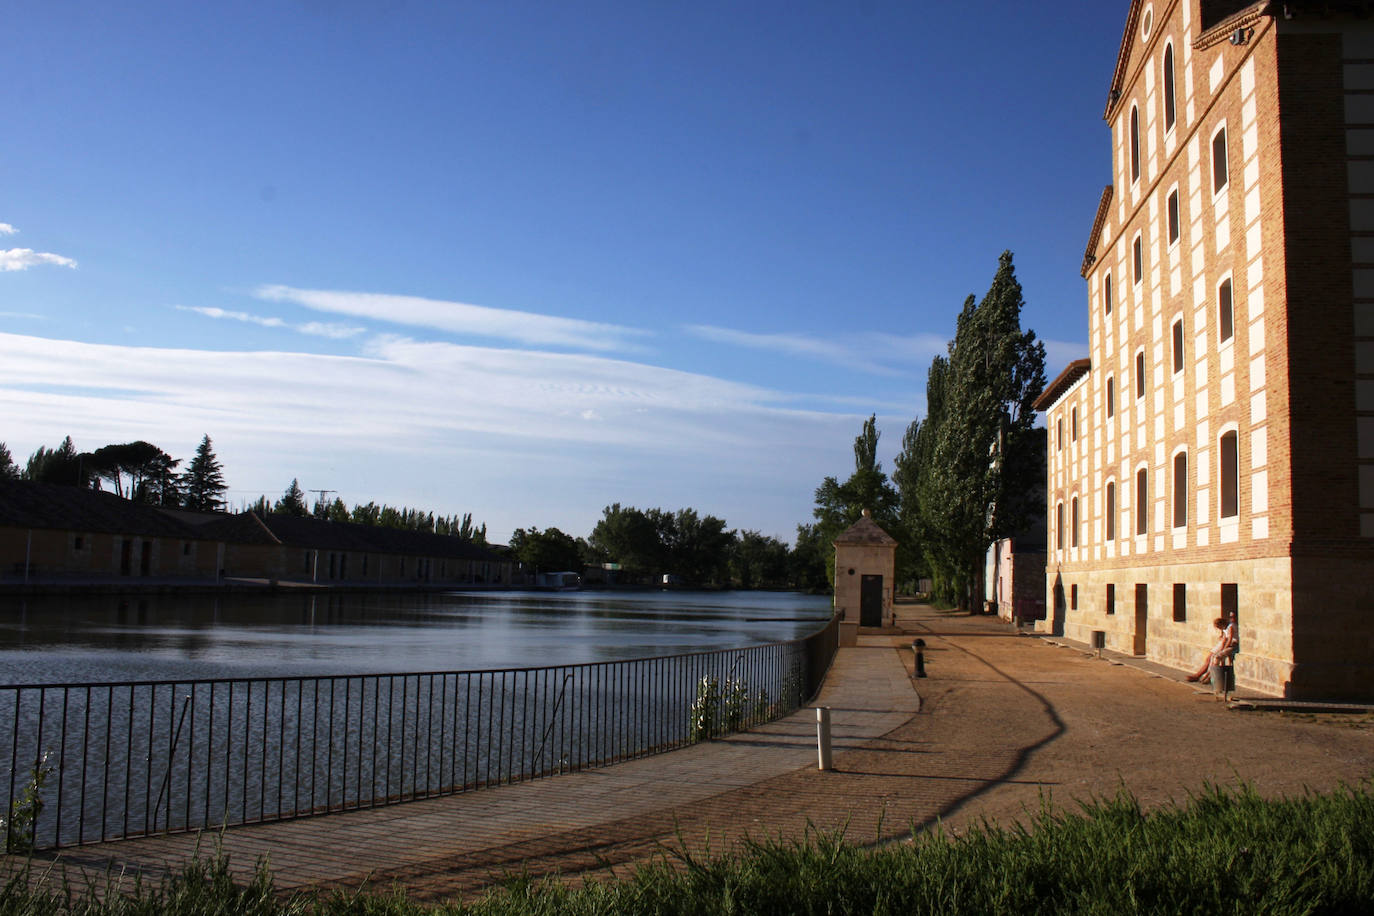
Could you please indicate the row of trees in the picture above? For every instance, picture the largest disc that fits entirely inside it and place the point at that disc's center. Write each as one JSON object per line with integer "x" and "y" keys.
{"x": 138, "y": 471}
{"x": 693, "y": 549}
{"x": 292, "y": 502}
{"x": 972, "y": 471}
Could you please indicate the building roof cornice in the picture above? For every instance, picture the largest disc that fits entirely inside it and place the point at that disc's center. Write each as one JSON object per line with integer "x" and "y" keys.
{"x": 1241, "y": 19}
{"x": 1062, "y": 383}
{"x": 1090, "y": 253}
{"x": 1123, "y": 57}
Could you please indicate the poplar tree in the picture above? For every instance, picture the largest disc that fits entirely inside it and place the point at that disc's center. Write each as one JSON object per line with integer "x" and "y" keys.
{"x": 975, "y": 452}
{"x": 8, "y": 469}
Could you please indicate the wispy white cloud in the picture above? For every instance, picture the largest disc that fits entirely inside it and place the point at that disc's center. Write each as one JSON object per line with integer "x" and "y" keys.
{"x": 315, "y": 328}
{"x": 31, "y": 315}
{"x": 498, "y": 431}
{"x": 875, "y": 353}
{"x": 24, "y": 258}
{"x": 7, "y": 229}
{"x": 527, "y": 328}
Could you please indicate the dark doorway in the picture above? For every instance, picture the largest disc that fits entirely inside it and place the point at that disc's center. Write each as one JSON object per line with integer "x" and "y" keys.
{"x": 126, "y": 556}
{"x": 1059, "y": 607}
{"x": 871, "y": 601}
{"x": 145, "y": 560}
{"x": 1142, "y": 616}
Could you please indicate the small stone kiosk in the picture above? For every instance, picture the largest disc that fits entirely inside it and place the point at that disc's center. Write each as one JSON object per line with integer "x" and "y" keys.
{"x": 865, "y": 577}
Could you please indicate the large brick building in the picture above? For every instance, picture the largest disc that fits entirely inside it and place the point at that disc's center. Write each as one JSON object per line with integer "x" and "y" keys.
{"x": 1216, "y": 450}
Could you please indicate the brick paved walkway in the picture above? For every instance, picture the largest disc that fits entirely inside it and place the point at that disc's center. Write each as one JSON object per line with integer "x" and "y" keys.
{"x": 1001, "y": 720}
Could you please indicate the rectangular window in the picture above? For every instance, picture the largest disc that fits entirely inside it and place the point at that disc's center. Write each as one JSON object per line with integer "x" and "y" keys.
{"x": 1073, "y": 532}
{"x": 1074, "y": 415}
{"x": 1107, "y": 293}
{"x": 1140, "y": 374}
{"x": 1138, "y": 259}
{"x": 1111, "y": 599}
{"x": 1221, "y": 172}
{"x": 1059, "y": 434}
{"x": 1180, "y": 602}
{"x": 186, "y": 549}
{"x": 1142, "y": 498}
{"x": 1180, "y": 489}
{"x": 1178, "y": 345}
{"x": 1111, "y": 397}
{"x": 1059, "y": 527}
{"x": 1073, "y": 596}
{"x": 1226, "y": 320}
{"x": 79, "y": 542}
{"x": 1230, "y": 475}
{"x": 1111, "y": 511}
{"x": 1173, "y": 216}
{"x": 1230, "y": 600}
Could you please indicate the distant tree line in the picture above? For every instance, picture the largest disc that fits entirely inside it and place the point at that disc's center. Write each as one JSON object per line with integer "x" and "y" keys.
{"x": 645, "y": 545}
{"x": 292, "y": 502}
{"x": 968, "y": 474}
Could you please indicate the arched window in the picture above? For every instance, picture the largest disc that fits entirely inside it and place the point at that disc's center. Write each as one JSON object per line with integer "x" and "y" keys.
{"x": 1073, "y": 532}
{"x": 1138, "y": 259}
{"x": 1107, "y": 294}
{"x": 1169, "y": 112}
{"x": 1142, "y": 499}
{"x": 1111, "y": 396}
{"x": 1230, "y": 475}
{"x": 1059, "y": 527}
{"x": 1140, "y": 374}
{"x": 1111, "y": 511}
{"x": 1221, "y": 170}
{"x": 1135, "y": 144}
{"x": 1178, "y": 345}
{"x": 1180, "y": 489}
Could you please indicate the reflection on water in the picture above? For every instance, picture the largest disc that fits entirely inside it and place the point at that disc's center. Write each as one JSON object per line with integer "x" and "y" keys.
{"x": 120, "y": 638}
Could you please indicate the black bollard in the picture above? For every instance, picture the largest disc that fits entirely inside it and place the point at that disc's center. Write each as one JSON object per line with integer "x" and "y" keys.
{"x": 919, "y": 648}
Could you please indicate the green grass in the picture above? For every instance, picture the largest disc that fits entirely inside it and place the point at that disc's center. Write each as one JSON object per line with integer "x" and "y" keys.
{"x": 1224, "y": 851}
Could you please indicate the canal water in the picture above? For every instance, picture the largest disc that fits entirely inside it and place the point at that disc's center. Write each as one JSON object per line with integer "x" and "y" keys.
{"x": 128, "y": 638}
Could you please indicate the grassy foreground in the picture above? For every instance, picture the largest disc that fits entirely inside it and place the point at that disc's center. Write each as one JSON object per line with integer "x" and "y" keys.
{"x": 1225, "y": 851}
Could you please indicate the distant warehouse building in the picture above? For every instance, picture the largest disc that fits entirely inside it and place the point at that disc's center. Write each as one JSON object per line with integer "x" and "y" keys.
{"x": 1216, "y": 451}
{"x": 72, "y": 535}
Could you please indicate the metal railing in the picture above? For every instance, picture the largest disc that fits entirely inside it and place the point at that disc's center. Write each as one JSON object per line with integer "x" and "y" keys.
{"x": 84, "y": 763}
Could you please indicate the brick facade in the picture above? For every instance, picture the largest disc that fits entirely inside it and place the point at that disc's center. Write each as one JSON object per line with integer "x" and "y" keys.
{"x": 1216, "y": 443}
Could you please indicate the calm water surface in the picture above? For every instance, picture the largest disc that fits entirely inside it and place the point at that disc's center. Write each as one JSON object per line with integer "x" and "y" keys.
{"x": 120, "y": 638}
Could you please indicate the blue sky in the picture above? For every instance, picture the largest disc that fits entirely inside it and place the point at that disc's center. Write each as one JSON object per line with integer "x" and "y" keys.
{"x": 525, "y": 259}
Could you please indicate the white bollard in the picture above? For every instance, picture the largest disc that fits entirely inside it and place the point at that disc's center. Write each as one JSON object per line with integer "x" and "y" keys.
{"x": 823, "y": 737}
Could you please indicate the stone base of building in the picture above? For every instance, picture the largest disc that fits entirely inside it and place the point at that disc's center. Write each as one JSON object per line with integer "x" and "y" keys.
{"x": 1306, "y": 625}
